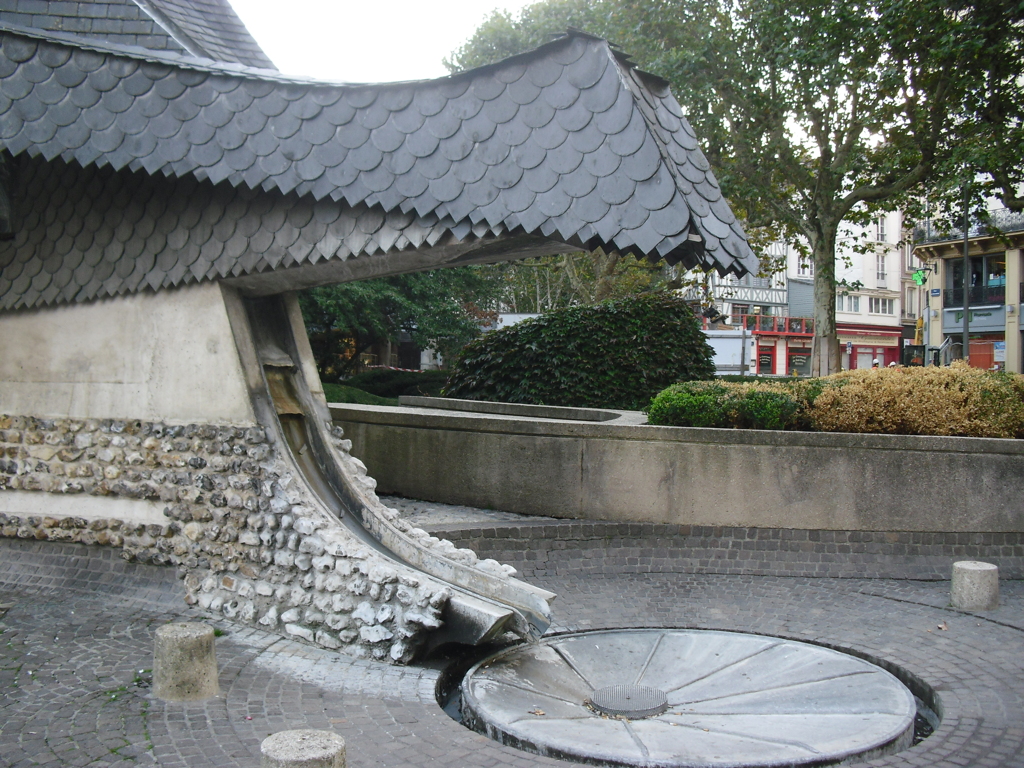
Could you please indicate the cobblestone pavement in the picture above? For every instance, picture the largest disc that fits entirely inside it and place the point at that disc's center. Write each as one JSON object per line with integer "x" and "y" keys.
{"x": 76, "y": 632}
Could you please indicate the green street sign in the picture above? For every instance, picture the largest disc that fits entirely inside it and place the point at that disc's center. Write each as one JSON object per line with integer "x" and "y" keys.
{"x": 920, "y": 277}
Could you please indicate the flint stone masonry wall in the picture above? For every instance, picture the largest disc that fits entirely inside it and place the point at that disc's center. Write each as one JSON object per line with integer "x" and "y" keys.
{"x": 249, "y": 542}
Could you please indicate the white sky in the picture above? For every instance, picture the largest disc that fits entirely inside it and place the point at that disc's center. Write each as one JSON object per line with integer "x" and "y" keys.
{"x": 365, "y": 40}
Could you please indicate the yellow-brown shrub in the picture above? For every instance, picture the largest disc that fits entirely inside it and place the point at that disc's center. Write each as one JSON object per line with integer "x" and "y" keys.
{"x": 958, "y": 400}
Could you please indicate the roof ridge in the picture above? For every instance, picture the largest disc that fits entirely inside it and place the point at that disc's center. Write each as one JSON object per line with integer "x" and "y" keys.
{"x": 567, "y": 144}
{"x": 176, "y": 32}
{"x": 215, "y": 66}
{"x": 151, "y": 55}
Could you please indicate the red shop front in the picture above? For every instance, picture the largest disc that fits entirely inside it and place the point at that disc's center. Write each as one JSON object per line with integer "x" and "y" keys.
{"x": 861, "y": 346}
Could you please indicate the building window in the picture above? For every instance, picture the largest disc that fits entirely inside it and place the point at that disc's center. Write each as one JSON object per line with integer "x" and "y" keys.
{"x": 805, "y": 268}
{"x": 847, "y": 303}
{"x": 878, "y": 306}
{"x": 908, "y": 306}
{"x": 880, "y": 230}
{"x": 880, "y": 267}
{"x": 913, "y": 263}
{"x": 753, "y": 281}
{"x": 987, "y": 281}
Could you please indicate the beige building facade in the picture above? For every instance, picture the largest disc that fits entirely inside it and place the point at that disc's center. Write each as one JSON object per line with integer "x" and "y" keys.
{"x": 995, "y": 286}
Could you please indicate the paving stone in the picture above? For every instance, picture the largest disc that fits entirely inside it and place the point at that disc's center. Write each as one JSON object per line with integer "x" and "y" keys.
{"x": 82, "y": 623}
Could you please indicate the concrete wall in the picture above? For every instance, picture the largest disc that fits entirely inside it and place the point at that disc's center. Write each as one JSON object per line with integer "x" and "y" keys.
{"x": 167, "y": 356}
{"x": 620, "y": 471}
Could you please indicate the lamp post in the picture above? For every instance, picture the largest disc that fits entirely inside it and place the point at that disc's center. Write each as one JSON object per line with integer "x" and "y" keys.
{"x": 967, "y": 279}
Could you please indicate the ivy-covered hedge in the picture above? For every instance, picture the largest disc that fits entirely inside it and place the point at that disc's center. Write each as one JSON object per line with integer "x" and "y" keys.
{"x": 617, "y": 354}
{"x": 957, "y": 400}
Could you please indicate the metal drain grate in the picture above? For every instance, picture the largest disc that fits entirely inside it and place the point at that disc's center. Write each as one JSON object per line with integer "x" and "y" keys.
{"x": 630, "y": 701}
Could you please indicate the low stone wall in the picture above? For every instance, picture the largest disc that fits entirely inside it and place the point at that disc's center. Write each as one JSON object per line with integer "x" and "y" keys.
{"x": 626, "y": 471}
{"x": 248, "y": 540}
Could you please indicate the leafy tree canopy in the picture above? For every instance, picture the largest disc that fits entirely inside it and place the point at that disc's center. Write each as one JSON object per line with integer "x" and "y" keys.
{"x": 553, "y": 282}
{"x": 813, "y": 112}
{"x": 443, "y": 309}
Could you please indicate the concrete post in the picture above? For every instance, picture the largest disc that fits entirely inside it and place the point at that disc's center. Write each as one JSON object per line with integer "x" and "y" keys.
{"x": 184, "y": 662}
{"x": 303, "y": 749}
{"x": 975, "y": 586}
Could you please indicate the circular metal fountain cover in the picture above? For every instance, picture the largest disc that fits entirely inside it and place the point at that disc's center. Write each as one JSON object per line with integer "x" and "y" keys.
{"x": 733, "y": 700}
{"x": 629, "y": 701}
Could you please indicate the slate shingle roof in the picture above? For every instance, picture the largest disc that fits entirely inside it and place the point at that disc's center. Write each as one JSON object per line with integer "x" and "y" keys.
{"x": 206, "y": 28}
{"x": 568, "y": 143}
{"x": 94, "y": 233}
{"x": 117, "y": 21}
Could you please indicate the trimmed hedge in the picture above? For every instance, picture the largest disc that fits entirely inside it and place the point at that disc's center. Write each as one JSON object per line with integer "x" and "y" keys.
{"x": 726, "y": 405}
{"x": 339, "y": 393}
{"x": 617, "y": 354}
{"x": 958, "y": 401}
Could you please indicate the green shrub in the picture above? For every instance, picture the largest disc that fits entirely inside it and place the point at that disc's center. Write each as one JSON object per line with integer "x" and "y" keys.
{"x": 692, "y": 404}
{"x": 386, "y": 382}
{"x": 617, "y": 354}
{"x": 339, "y": 393}
{"x": 766, "y": 409}
{"x": 723, "y": 404}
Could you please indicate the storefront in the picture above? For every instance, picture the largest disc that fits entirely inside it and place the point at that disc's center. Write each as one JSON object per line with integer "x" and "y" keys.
{"x": 783, "y": 344}
{"x": 799, "y": 359}
{"x": 861, "y": 346}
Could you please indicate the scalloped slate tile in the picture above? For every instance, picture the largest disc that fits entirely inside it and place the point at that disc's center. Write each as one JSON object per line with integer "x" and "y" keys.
{"x": 569, "y": 143}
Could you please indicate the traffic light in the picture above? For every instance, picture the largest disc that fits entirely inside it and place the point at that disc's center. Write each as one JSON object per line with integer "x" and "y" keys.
{"x": 920, "y": 276}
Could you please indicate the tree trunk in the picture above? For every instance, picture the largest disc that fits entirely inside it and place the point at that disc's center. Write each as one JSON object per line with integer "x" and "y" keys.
{"x": 825, "y": 359}
{"x": 605, "y": 272}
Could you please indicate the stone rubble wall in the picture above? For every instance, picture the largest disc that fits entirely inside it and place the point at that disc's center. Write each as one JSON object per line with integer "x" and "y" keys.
{"x": 248, "y": 539}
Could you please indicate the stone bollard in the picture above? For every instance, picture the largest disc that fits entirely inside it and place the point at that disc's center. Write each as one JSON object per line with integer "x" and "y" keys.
{"x": 303, "y": 749}
{"x": 184, "y": 662}
{"x": 975, "y": 586}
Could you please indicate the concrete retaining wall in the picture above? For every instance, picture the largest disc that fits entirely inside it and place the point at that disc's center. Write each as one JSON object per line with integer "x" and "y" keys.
{"x": 623, "y": 470}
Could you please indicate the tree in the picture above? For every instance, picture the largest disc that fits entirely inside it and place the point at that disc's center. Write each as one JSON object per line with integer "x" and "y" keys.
{"x": 811, "y": 112}
{"x": 554, "y": 282}
{"x": 443, "y": 309}
{"x": 991, "y": 127}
